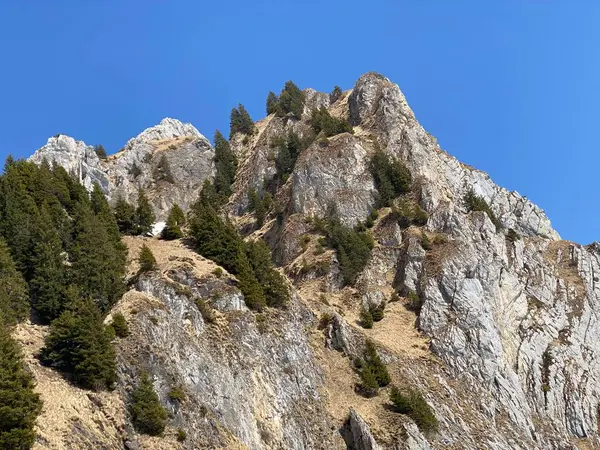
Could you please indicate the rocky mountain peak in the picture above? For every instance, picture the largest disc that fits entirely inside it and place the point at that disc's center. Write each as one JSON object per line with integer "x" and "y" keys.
{"x": 167, "y": 129}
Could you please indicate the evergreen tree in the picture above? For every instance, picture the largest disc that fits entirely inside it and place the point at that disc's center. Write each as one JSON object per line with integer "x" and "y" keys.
{"x": 49, "y": 272}
{"x": 273, "y": 283}
{"x": 102, "y": 210}
{"x": 143, "y": 214}
{"x": 373, "y": 360}
{"x": 335, "y": 94}
{"x": 241, "y": 122}
{"x": 322, "y": 121}
{"x": 125, "y": 217}
{"x": 97, "y": 262}
{"x": 119, "y": 324}
{"x": 226, "y": 166}
{"x": 175, "y": 221}
{"x": 146, "y": 259}
{"x": 254, "y": 295}
{"x": 291, "y": 101}
{"x": 79, "y": 345}
{"x": 272, "y": 103}
{"x": 19, "y": 404}
{"x": 392, "y": 178}
{"x": 99, "y": 149}
{"x": 148, "y": 415}
{"x": 13, "y": 290}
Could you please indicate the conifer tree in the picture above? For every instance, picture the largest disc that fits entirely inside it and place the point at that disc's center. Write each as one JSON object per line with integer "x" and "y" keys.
{"x": 119, "y": 324}
{"x": 13, "y": 290}
{"x": 143, "y": 214}
{"x": 175, "y": 221}
{"x": 99, "y": 150}
{"x": 335, "y": 94}
{"x": 273, "y": 283}
{"x": 79, "y": 345}
{"x": 226, "y": 166}
{"x": 241, "y": 122}
{"x": 125, "y": 216}
{"x": 19, "y": 404}
{"x": 49, "y": 272}
{"x": 291, "y": 100}
{"x": 146, "y": 259}
{"x": 148, "y": 415}
{"x": 272, "y": 103}
{"x": 101, "y": 209}
{"x": 97, "y": 262}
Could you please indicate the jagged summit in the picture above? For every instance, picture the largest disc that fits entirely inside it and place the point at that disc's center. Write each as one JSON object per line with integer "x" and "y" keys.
{"x": 167, "y": 129}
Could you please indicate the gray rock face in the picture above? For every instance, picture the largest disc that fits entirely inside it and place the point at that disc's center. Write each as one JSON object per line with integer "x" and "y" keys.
{"x": 170, "y": 161}
{"x": 357, "y": 434}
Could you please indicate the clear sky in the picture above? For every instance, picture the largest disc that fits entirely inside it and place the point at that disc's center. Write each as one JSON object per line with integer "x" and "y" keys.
{"x": 510, "y": 87}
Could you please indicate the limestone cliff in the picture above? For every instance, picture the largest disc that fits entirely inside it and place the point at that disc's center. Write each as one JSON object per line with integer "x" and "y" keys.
{"x": 505, "y": 348}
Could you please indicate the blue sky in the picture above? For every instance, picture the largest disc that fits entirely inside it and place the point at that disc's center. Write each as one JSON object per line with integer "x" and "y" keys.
{"x": 509, "y": 87}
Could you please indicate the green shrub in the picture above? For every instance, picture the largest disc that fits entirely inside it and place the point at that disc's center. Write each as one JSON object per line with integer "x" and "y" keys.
{"x": 241, "y": 122}
{"x": 366, "y": 318}
{"x": 146, "y": 259}
{"x": 373, "y": 361}
{"x": 353, "y": 249}
{"x": 91, "y": 362}
{"x": 322, "y": 121}
{"x": 19, "y": 404}
{"x": 414, "y": 405}
{"x": 414, "y": 302}
{"x": 218, "y": 272}
{"x": 176, "y": 394}
{"x": 181, "y": 435}
{"x": 369, "y": 385}
{"x": 148, "y": 415}
{"x": 289, "y": 150}
{"x": 377, "y": 312}
{"x": 392, "y": 178}
{"x": 474, "y": 202}
{"x": 406, "y": 213}
{"x": 175, "y": 221}
{"x": 120, "y": 326}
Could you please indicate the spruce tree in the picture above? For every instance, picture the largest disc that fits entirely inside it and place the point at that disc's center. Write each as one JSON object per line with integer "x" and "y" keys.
{"x": 49, "y": 272}
{"x": 125, "y": 216}
{"x": 143, "y": 214}
{"x": 13, "y": 289}
{"x": 273, "y": 283}
{"x": 291, "y": 101}
{"x": 79, "y": 345}
{"x": 19, "y": 404}
{"x": 102, "y": 210}
{"x": 241, "y": 122}
{"x": 146, "y": 259}
{"x": 226, "y": 166}
{"x": 99, "y": 150}
{"x": 175, "y": 221}
{"x": 148, "y": 415}
{"x": 272, "y": 103}
{"x": 97, "y": 262}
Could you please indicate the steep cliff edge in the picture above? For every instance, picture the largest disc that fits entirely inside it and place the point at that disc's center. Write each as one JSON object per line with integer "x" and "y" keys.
{"x": 503, "y": 347}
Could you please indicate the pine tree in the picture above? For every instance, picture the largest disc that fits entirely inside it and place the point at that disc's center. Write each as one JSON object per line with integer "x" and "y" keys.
{"x": 125, "y": 216}
{"x": 335, "y": 94}
{"x": 273, "y": 283}
{"x": 79, "y": 345}
{"x": 291, "y": 100}
{"x": 175, "y": 221}
{"x": 101, "y": 209}
{"x": 253, "y": 292}
{"x": 143, "y": 214}
{"x": 272, "y": 103}
{"x": 241, "y": 122}
{"x": 99, "y": 149}
{"x": 13, "y": 290}
{"x": 19, "y": 404}
{"x": 119, "y": 324}
{"x": 97, "y": 261}
{"x": 373, "y": 360}
{"x": 146, "y": 259}
{"x": 148, "y": 415}
{"x": 226, "y": 166}
{"x": 49, "y": 272}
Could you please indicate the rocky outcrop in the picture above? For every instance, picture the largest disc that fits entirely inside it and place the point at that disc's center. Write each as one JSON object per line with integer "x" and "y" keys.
{"x": 170, "y": 161}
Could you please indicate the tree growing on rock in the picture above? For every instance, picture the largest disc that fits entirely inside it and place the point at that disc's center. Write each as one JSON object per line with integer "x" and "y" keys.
{"x": 147, "y": 413}
{"x": 241, "y": 122}
{"x": 146, "y": 259}
{"x": 144, "y": 214}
